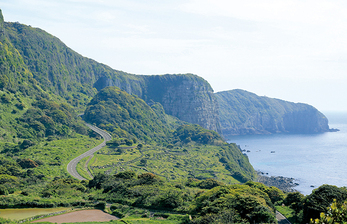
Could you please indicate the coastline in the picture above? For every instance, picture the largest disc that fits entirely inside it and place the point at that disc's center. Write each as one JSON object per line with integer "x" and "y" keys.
{"x": 286, "y": 184}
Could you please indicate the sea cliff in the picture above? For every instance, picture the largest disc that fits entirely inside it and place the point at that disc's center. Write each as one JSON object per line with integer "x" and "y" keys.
{"x": 242, "y": 113}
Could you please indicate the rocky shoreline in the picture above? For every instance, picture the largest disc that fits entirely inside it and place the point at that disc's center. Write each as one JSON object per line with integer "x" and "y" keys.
{"x": 285, "y": 184}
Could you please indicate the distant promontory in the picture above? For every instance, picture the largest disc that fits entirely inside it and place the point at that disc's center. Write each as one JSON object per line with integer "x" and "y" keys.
{"x": 243, "y": 113}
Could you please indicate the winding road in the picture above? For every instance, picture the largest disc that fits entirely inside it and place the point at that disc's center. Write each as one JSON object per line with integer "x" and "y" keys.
{"x": 71, "y": 167}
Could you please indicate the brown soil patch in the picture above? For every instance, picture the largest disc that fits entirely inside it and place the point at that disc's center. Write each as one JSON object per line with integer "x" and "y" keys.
{"x": 80, "y": 216}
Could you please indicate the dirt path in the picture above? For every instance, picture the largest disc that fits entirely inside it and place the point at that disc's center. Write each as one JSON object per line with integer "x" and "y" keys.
{"x": 80, "y": 216}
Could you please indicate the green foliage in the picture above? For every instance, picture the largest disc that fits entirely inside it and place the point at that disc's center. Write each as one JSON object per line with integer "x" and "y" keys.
{"x": 7, "y": 221}
{"x": 336, "y": 213}
{"x": 147, "y": 191}
{"x": 27, "y": 163}
{"x": 289, "y": 214}
{"x": 48, "y": 118}
{"x": 246, "y": 204}
{"x": 320, "y": 199}
{"x": 61, "y": 187}
{"x": 126, "y": 175}
{"x": 182, "y": 160}
{"x": 275, "y": 194}
{"x": 194, "y": 132}
{"x": 295, "y": 201}
{"x": 204, "y": 184}
{"x": 125, "y": 116}
{"x": 148, "y": 178}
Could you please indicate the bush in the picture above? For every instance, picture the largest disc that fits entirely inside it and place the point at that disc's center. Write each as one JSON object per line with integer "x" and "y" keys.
{"x": 126, "y": 175}
{"x": 320, "y": 199}
{"x": 148, "y": 178}
{"x": 27, "y": 163}
{"x": 3, "y": 190}
{"x": 209, "y": 184}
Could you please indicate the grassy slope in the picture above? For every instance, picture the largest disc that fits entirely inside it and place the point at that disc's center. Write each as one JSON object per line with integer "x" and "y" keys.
{"x": 61, "y": 151}
{"x": 121, "y": 113}
{"x": 188, "y": 161}
{"x": 126, "y": 115}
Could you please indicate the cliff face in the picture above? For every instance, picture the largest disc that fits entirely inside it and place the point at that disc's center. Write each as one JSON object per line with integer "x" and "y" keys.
{"x": 62, "y": 71}
{"x": 187, "y": 97}
{"x": 242, "y": 112}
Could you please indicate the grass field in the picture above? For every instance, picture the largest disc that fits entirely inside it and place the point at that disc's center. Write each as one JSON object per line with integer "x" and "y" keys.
{"x": 55, "y": 155}
{"x": 176, "y": 163}
{"x": 287, "y": 212}
{"x": 24, "y": 213}
{"x": 81, "y": 168}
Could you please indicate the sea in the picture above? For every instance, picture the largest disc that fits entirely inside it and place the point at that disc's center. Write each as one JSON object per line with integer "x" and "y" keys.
{"x": 311, "y": 159}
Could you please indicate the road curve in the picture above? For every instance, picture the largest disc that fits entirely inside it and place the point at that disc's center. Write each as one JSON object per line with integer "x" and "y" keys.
{"x": 281, "y": 218}
{"x": 71, "y": 167}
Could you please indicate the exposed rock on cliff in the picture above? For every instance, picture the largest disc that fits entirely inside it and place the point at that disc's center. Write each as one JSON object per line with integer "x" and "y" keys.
{"x": 60, "y": 70}
{"x": 242, "y": 112}
{"x": 187, "y": 97}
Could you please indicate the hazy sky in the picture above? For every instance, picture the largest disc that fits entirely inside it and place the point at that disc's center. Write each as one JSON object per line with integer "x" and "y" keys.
{"x": 295, "y": 50}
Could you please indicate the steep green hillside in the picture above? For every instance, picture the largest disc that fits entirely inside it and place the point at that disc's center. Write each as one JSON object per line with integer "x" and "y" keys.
{"x": 242, "y": 112}
{"x": 41, "y": 79}
{"x": 57, "y": 68}
{"x": 61, "y": 71}
{"x": 188, "y": 150}
{"x": 128, "y": 116}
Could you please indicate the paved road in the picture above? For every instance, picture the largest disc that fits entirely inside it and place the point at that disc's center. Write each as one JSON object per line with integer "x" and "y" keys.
{"x": 71, "y": 167}
{"x": 281, "y": 219}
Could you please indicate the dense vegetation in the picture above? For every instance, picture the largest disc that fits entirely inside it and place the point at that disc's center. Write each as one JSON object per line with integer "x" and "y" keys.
{"x": 310, "y": 208}
{"x": 55, "y": 67}
{"x": 126, "y": 115}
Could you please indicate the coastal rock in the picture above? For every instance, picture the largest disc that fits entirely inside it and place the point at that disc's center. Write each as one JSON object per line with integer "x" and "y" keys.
{"x": 243, "y": 113}
{"x": 286, "y": 184}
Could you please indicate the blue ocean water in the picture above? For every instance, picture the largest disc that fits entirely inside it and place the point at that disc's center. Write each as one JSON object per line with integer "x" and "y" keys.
{"x": 312, "y": 159}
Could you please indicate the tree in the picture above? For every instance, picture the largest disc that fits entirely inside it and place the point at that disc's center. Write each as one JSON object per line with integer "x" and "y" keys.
{"x": 294, "y": 201}
{"x": 129, "y": 174}
{"x": 128, "y": 142}
{"x": 148, "y": 178}
{"x": 3, "y": 81}
{"x": 209, "y": 184}
{"x": 27, "y": 163}
{"x": 336, "y": 213}
{"x": 320, "y": 199}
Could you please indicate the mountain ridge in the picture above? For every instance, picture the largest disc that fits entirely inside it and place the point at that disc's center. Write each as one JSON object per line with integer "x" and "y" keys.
{"x": 62, "y": 71}
{"x": 45, "y": 63}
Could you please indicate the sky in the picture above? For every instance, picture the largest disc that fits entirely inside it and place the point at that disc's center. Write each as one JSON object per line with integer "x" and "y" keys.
{"x": 295, "y": 50}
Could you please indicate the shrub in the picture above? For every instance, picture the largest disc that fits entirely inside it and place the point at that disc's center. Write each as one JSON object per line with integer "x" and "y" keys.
{"x": 209, "y": 184}
{"x": 3, "y": 190}
{"x": 126, "y": 174}
{"x": 27, "y": 163}
{"x": 148, "y": 178}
